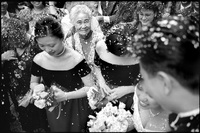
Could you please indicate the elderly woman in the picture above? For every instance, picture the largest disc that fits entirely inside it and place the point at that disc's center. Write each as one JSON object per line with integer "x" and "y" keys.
{"x": 86, "y": 37}
{"x": 68, "y": 22}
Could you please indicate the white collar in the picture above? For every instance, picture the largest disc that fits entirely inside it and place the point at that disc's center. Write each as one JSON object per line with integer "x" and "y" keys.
{"x": 189, "y": 113}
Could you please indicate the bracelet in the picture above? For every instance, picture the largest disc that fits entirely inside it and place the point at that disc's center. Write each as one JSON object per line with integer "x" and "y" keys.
{"x": 65, "y": 96}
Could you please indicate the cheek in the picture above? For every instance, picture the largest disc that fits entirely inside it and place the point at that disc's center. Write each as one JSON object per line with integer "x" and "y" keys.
{"x": 88, "y": 25}
{"x": 151, "y": 18}
{"x": 153, "y": 103}
{"x": 77, "y": 26}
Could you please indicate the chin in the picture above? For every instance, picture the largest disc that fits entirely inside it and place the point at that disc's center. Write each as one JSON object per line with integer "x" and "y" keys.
{"x": 145, "y": 24}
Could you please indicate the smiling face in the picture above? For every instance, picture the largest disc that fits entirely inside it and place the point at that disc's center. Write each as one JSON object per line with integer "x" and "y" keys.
{"x": 146, "y": 16}
{"x": 153, "y": 86}
{"x": 52, "y": 45}
{"x": 37, "y": 3}
{"x": 83, "y": 23}
{"x": 145, "y": 100}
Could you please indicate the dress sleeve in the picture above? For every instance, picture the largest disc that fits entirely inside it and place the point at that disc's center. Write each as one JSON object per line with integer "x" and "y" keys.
{"x": 83, "y": 68}
{"x": 35, "y": 69}
{"x": 96, "y": 59}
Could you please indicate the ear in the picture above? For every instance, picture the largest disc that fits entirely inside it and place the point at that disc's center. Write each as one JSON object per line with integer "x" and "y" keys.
{"x": 167, "y": 85}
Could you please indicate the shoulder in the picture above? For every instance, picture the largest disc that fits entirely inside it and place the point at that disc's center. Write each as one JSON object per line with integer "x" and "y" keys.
{"x": 77, "y": 57}
{"x": 38, "y": 59}
{"x": 101, "y": 46}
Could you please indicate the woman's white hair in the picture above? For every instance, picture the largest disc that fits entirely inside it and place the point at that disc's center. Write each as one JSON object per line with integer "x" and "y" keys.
{"x": 79, "y": 9}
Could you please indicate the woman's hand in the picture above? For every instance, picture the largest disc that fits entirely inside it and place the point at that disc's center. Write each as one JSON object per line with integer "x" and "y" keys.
{"x": 37, "y": 89}
{"x": 117, "y": 93}
{"x": 8, "y": 55}
{"x": 59, "y": 95}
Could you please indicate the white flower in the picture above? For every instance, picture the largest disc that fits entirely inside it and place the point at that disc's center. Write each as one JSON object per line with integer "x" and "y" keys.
{"x": 44, "y": 94}
{"x": 38, "y": 88}
{"x": 110, "y": 119}
{"x": 40, "y": 103}
{"x": 35, "y": 96}
{"x": 121, "y": 105}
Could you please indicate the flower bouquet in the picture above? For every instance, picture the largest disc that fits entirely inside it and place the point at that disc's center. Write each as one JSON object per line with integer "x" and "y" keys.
{"x": 95, "y": 95}
{"x": 98, "y": 94}
{"x": 110, "y": 119}
{"x": 44, "y": 96}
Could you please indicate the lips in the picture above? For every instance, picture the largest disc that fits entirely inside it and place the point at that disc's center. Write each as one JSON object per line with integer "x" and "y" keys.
{"x": 143, "y": 104}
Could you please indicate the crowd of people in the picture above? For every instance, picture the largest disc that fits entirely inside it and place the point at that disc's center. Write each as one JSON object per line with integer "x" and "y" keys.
{"x": 144, "y": 54}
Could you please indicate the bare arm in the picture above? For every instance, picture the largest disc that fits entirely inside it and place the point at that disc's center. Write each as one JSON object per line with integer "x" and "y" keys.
{"x": 80, "y": 93}
{"x": 88, "y": 82}
{"x": 34, "y": 81}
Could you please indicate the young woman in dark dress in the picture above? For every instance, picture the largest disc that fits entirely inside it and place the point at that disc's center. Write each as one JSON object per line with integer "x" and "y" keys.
{"x": 60, "y": 64}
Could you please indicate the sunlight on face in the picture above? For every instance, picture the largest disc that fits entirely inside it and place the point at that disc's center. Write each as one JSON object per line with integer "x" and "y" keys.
{"x": 145, "y": 101}
{"x": 153, "y": 86}
{"x": 146, "y": 16}
{"x": 51, "y": 45}
{"x": 83, "y": 23}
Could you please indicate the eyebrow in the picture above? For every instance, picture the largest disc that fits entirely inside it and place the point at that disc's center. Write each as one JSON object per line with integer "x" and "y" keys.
{"x": 46, "y": 44}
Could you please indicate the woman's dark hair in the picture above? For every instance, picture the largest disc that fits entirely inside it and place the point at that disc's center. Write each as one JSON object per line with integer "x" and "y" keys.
{"x": 48, "y": 25}
{"x": 118, "y": 39}
{"x": 171, "y": 45}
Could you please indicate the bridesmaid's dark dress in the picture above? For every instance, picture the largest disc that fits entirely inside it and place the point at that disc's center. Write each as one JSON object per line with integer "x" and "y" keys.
{"x": 119, "y": 75}
{"x": 74, "y": 113}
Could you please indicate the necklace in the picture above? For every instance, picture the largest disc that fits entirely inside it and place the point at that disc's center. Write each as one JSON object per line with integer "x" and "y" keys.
{"x": 152, "y": 114}
{"x": 61, "y": 53}
{"x": 86, "y": 37}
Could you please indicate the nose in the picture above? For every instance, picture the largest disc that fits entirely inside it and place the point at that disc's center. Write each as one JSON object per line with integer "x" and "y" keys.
{"x": 48, "y": 50}
{"x": 142, "y": 98}
{"x": 83, "y": 25}
{"x": 144, "y": 17}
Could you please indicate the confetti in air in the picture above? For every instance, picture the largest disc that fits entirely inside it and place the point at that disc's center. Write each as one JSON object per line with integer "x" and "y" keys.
{"x": 167, "y": 33}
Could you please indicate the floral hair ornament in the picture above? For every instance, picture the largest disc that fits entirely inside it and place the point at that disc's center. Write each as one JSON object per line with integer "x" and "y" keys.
{"x": 14, "y": 31}
{"x": 44, "y": 27}
{"x": 124, "y": 35}
{"x": 167, "y": 33}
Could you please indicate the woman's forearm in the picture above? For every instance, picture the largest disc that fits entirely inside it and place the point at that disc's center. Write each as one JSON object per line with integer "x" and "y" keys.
{"x": 82, "y": 92}
{"x": 32, "y": 85}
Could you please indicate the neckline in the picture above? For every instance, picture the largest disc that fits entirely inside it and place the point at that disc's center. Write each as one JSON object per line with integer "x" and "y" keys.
{"x": 152, "y": 114}
{"x": 25, "y": 49}
{"x": 189, "y": 113}
{"x": 114, "y": 64}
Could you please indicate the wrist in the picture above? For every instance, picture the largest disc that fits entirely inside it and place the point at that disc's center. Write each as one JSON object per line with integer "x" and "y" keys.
{"x": 65, "y": 96}
{"x": 2, "y": 57}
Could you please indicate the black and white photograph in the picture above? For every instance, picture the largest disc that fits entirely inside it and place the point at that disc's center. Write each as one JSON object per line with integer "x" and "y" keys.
{"x": 99, "y": 66}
